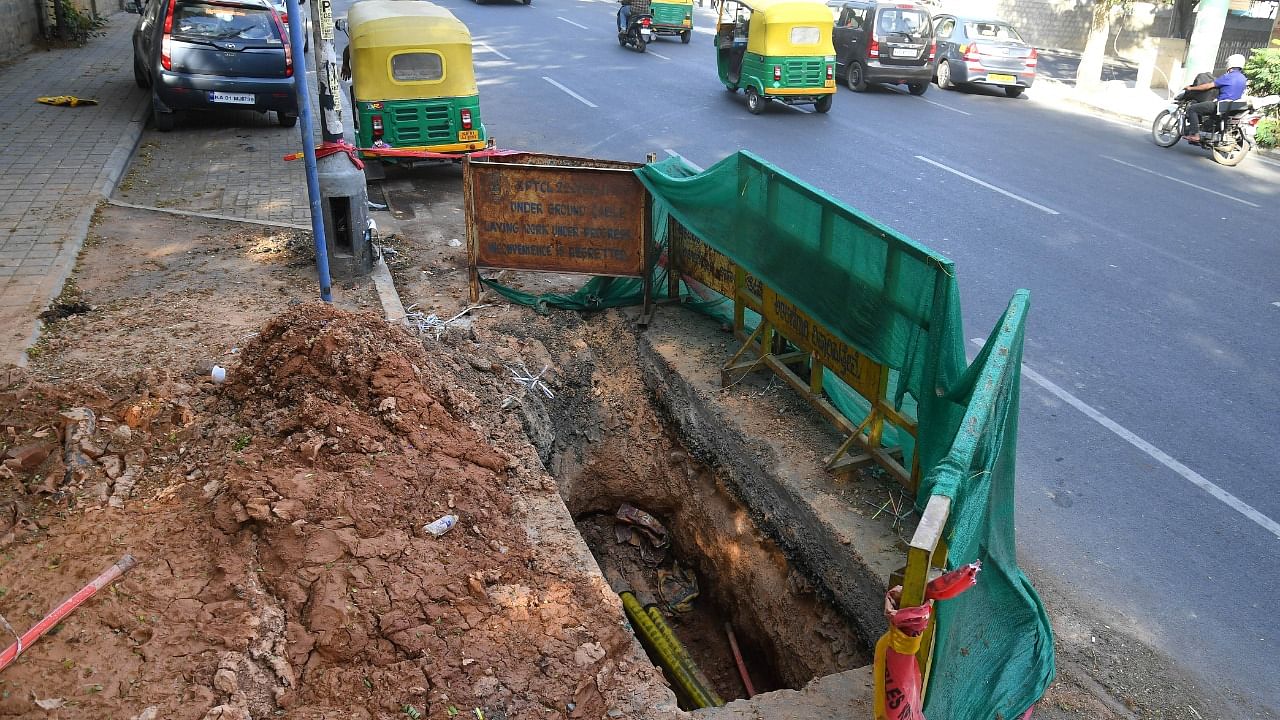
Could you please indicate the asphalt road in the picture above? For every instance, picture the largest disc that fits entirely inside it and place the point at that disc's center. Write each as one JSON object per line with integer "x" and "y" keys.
{"x": 1148, "y": 448}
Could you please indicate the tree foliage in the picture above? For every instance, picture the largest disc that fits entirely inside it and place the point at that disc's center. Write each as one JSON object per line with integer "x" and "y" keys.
{"x": 1263, "y": 70}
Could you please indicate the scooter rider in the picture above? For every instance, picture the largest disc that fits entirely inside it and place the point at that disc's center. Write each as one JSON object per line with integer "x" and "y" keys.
{"x": 1230, "y": 87}
{"x": 628, "y": 9}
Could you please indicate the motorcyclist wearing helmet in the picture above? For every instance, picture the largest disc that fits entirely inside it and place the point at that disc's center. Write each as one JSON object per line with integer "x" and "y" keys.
{"x": 1230, "y": 86}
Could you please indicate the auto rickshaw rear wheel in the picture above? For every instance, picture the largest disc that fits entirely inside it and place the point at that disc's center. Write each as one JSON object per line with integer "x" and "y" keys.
{"x": 287, "y": 119}
{"x": 823, "y": 104}
{"x": 755, "y": 103}
{"x": 684, "y": 36}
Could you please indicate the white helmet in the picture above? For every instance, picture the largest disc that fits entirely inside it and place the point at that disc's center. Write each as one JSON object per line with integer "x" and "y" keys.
{"x": 1235, "y": 61}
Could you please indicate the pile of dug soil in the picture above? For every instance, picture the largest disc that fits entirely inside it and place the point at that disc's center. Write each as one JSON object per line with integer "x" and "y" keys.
{"x": 283, "y": 565}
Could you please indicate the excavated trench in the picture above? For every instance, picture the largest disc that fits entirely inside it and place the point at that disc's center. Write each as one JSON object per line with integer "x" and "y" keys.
{"x": 608, "y": 445}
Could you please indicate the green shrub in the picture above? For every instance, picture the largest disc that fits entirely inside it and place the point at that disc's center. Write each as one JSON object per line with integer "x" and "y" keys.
{"x": 79, "y": 25}
{"x": 1263, "y": 70}
{"x": 1269, "y": 133}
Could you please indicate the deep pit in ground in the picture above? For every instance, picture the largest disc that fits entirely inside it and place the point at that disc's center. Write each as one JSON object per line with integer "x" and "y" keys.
{"x": 607, "y": 443}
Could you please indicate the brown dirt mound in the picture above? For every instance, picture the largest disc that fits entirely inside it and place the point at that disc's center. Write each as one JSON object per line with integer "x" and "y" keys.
{"x": 283, "y": 564}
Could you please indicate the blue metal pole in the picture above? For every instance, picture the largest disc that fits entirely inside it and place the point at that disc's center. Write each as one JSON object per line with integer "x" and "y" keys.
{"x": 296, "y": 30}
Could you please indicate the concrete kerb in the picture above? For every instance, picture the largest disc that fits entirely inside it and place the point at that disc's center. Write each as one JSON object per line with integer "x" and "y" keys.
{"x": 105, "y": 184}
{"x": 209, "y": 216}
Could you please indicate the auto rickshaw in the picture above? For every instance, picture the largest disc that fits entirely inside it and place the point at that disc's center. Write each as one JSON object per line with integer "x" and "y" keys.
{"x": 412, "y": 81}
{"x": 673, "y": 17}
{"x": 777, "y": 51}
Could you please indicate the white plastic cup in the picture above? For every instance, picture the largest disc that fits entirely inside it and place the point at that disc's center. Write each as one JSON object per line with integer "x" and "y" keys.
{"x": 219, "y": 374}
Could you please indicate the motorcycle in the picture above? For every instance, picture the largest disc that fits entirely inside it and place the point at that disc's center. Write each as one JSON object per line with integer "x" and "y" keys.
{"x": 1228, "y": 134}
{"x": 639, "y": 32}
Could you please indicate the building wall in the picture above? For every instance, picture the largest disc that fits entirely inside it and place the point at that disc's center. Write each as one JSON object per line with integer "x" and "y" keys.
{"x": 21, "y": 21}
{"x": 19, "y": 27}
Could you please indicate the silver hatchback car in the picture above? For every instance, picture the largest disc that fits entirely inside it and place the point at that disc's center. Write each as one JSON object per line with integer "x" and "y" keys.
{"x": 983, "y": 51}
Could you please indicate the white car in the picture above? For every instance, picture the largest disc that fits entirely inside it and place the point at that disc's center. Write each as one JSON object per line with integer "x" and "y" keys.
{"x": 283, "y": 11}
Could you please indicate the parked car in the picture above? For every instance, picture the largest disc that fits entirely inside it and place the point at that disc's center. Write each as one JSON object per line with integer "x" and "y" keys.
{"x": 283, "y": 10}
{"x": 883, "y": 42}
{"x": 206, "y": 54}
{"x": 985, "y": 52}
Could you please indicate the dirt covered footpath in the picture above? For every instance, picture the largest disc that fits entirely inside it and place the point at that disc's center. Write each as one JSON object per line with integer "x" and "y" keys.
{"x": 277, "y": 519}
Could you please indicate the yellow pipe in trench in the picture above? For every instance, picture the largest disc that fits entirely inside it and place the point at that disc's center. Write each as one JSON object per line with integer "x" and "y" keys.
{"x": 668, "y": 655}
{"x": 683, "y": 655}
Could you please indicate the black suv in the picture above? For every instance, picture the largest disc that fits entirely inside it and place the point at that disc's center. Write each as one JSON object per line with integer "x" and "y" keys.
{"x": 206, "y": 54}
{"x": 883, "y": 42}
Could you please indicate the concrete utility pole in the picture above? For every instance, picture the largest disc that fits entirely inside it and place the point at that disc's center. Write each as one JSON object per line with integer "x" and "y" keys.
{"x": 1202, "y": 48}
{"x": 342, "y": 184}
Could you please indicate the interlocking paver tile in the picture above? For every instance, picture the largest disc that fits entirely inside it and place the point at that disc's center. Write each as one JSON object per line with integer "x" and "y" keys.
{"x": 49, "y": 172}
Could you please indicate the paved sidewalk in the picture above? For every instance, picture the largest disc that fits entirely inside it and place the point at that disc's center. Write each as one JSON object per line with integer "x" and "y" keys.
{"x": 228, "y": 164}
{"x": 56, "y": 164}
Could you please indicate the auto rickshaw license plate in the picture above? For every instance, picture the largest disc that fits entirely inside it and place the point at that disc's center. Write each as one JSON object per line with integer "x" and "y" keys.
{"x": 468, "y": 134}
{"x": 1007, "y": 79}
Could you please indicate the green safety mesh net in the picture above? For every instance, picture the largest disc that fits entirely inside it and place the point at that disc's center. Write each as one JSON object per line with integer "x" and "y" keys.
{"x": 897, "y": 302}
{"x": 993, "y": 652}
{"x": 893, "y": 299}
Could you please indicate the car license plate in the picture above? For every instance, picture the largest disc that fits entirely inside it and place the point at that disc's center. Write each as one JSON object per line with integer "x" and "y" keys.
{"x": 233, "y": 98}
{"x": 468, "y": 134}
{"x": 904, "y": 52}
{"x": 1003, "y": 79}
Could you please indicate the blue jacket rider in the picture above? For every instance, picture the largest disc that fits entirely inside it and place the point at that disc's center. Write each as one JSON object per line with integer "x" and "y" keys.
{"x": 1230, "y": 87}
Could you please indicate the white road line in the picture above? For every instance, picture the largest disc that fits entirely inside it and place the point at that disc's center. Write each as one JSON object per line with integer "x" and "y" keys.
{"x": 571, "y": 93}
{"x": 947, "y": 107}
{"x": 489, "y": 48}
{"x": 1261, "y": 159}
{"x": 989, "y": 186}
{"x": 1154, "y": 452}
{"x": 584, "y": 27}
{"x": 1184, "y": 182}
{"x": 664, "y": 57}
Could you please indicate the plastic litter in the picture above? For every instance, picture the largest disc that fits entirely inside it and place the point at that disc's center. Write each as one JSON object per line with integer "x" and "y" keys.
{"x": 898, "y": 685}
{"x": 528, "y": 383}
{"x": 442, "y": 525}
{"x": 677, "y": 589}
{"x": 66, "y": 100}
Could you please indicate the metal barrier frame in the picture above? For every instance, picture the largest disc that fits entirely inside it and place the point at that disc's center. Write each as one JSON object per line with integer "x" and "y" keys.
{"x": 787, "y": 351}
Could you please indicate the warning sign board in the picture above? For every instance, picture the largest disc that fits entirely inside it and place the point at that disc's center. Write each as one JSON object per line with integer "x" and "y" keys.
{"x": 555, "y": 218}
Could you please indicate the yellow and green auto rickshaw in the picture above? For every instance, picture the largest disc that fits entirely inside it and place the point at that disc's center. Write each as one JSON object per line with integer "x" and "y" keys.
{"x": 673, "y": 17}
{"x": 777, "y": 51}
{"x": 412, "y": 81}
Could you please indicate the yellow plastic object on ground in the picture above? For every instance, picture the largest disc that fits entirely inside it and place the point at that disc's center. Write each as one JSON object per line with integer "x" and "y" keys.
{"x": 66, "y": 100}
